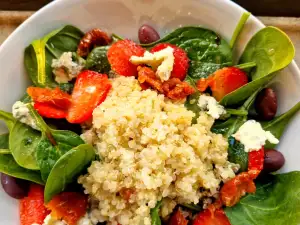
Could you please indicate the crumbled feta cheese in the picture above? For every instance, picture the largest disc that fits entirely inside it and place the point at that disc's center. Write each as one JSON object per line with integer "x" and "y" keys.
{"x": 21, "y": 112}
{"x": 49, "y": 220}
{"x": 85, "y": 220}
{"x": 65, "y": 69}
{"x": 161, "y": 61}
{"x": 253, "y": 136}
{"x": 210, "y": 104}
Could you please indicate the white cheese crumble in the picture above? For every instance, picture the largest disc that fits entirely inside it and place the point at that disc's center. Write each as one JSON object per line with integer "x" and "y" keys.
{"x": 253, "y": 136}
{"x": 210, "y": 104}
{"x": 161, "y": 61}
{"x": 49, "y": 220}
{"x": 21, "y": 112}
{"x": 65, "y": 69}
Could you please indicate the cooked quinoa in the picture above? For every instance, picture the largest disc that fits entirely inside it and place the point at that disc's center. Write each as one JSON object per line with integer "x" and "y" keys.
{"x": 149, "y": 147}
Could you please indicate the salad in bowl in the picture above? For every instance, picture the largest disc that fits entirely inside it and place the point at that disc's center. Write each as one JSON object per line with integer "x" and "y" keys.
{"x": 167, "y": 130}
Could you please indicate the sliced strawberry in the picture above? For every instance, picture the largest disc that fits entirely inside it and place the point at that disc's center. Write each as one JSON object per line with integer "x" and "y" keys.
{"x": 211, "y": 217}
{"x": 32, "y": 209}
{"x": 256, "y": 160}
{"x": 68, "y": 206}
{"x": 178, "y": 218}
{"x": 223, "y": 82}
{"x": 181, "y": 60}
{"x": 90, "y": 90}
{"x": 55, "y": 96}
{"x": 120, "y": 53}
{"x": 49, "y": 111}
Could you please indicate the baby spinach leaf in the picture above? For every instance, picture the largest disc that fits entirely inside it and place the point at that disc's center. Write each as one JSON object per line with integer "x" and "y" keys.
{"x": 97, "y": 60}
{"x": 39, "y": 55}
{"x": 9, "y": 166}
{"x": 4, "y": 138}
{"x": 67, "y": 169}
{"x": 228, "y": 127}
{"x": 23, "y": 141}
{"x": 278, "y": 124}
{"x": 239, "y": 28}
{"x": 206, "y": 50}
{"x": 53, "y": 144}
{"x": 271, "y": 50}
{"x": 8, "y": 119}
{"x": 237, "y": 154}
{"x": 276, "y": 201}
{"x": 155, "y": 219}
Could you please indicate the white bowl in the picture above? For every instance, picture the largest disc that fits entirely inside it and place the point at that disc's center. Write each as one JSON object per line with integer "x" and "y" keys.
{"x": 124, "y": 18}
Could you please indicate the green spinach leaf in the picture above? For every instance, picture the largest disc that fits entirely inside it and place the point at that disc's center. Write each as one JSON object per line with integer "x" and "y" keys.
{"x": 206, "y": 50}
{"x": 237, "y": 154}
{"x": 155, "y": 219}
{"x": 276, "y": 201}
{"x": 23, "y": 141}
{"x": 271, "y": 50}
{"x": 4, "y": 139}
{"x": 67, "y": 169}
{"x": 53, "y": 144}
{"x": 39, "y": 55}
{"x": 278, "y": 124}
{"x": 97, "y": 60}
{"x": 9, "y": 166}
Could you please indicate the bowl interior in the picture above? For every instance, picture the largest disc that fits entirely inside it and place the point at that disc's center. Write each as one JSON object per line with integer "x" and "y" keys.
{"x": 124, "y": 18}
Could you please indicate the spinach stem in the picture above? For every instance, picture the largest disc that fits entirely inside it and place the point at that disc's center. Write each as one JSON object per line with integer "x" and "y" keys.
{"x": 246, "y": 65}
{"x": 5, "y": 152}
{"x": 239, "y": 28}
{"x": 237, "y": 112}
{"x": 117, "y": 37}
{"x": 41, "y": 124}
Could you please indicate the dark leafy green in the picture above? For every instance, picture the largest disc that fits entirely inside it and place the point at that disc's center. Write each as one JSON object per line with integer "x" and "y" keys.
{"x": 53, "y": 144}
{"x": 276, "y": 201}
{"x": 9, "y": 166}
{"x": 39, "y": 55}
{"x": 237, "y": 154}
{"x": 97, "y": 60}
{"x": 67, "y": 168}
{"x": 155, "y": 219}
{"x": 271, "y": 50}
{"x": 23, "y": 141}
{"x": 278, "y": 124}
{"x": 206, "y": 50}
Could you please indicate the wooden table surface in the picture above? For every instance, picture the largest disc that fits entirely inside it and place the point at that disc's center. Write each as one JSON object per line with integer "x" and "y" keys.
{"x": 257, "y": 7}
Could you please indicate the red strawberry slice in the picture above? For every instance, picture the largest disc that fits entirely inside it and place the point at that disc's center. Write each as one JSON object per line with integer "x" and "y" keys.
{"x": 223, "y": 82}
{"x": 119, "y": 55}
{"x": 32, "y": 209}
{"x": 181, "y": 60}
